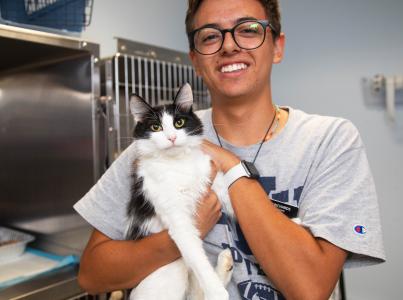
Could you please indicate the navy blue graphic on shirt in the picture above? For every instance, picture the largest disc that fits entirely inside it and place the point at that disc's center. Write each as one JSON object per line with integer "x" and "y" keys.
{"x": 297, "y": 193}
{"x": 241, "y": 251}
{"x": 269, "y": 185}
{"x": 250, "y": 290}
{"x": 236, "y": 232}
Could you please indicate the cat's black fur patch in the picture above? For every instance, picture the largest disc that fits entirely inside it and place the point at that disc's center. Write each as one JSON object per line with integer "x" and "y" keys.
{"x": 193, "y": 125}
{"x": 139, "y": 209}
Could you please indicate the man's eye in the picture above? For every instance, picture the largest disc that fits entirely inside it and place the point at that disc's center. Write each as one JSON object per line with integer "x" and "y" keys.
{"x": 179, "y": 123}
{"x": 156, "y": 127}
{"x": 249, "y": 29}
{"x": 210, "y": 37}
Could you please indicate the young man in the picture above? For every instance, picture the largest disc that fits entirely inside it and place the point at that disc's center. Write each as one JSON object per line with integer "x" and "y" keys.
{"x": 310, "y": 166}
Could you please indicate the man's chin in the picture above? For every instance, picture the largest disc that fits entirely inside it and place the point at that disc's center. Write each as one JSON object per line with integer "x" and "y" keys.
{"x": 235, "y": 94}
{"x": 233, "y": 90}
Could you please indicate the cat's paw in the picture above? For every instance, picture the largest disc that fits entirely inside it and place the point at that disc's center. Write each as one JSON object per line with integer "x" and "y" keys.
{"x": 225, "y": 265}
{"x": 225, "y": 261}
{"x": 116, "y": 295}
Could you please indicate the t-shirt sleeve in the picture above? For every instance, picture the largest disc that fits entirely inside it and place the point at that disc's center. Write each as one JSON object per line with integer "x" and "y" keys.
{"x": 339, "y": 201}
{"x": 104, "y": 206}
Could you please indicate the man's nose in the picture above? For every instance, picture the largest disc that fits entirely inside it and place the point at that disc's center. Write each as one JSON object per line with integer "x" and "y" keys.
{"x": 229, "y": 45}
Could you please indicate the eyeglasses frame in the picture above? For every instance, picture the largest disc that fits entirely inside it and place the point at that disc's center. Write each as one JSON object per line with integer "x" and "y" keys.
{"x": 263, "y": 23}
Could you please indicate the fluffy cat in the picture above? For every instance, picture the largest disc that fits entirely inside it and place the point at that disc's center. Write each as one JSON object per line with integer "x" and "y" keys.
{"x": 170, "y": 176}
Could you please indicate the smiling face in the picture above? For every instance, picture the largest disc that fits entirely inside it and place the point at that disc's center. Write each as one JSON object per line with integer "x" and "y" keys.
{"x": 232, "y": 71}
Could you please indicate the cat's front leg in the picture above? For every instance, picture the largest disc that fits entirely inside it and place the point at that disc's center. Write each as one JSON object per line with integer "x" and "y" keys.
{"x": 224, "y": 268}
{"x": 168, "y": 282}
{"x": 186, "y": 237}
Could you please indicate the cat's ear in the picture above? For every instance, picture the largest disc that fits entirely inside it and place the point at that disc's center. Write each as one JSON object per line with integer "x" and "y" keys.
{"x": 139, "y": 108}
{"x": 184, "y": 98}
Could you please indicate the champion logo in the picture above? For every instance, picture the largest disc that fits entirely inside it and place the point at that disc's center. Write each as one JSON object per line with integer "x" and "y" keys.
{"x": 360, "y": 229}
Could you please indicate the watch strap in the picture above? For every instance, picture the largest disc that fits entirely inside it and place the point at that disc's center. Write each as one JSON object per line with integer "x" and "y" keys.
{"x": 234, "y": 174}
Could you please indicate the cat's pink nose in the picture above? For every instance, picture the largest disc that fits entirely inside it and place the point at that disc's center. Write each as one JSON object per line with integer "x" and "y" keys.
{"x": 172, "y": 138}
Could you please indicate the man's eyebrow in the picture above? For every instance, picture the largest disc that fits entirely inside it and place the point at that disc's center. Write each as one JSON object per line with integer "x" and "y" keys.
{"x": 216, "y": 25}
{"x": 245, "y": 19}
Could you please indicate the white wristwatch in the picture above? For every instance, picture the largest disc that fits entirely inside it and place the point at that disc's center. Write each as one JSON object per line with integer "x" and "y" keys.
{"x": 243, "y": 169}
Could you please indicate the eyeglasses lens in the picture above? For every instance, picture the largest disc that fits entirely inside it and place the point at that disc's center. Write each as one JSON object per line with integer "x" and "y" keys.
{"x": 248, "y": 35}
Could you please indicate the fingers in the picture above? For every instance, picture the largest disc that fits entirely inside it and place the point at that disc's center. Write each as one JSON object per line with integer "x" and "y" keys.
{"x": 217, "y": 208}
{"x": 211, "y": 203}
{"x": 223, "y": 159}
{"x": 210, "y": 148}
{"x": 208, "y": 213}
{"x": 214, "y": 171}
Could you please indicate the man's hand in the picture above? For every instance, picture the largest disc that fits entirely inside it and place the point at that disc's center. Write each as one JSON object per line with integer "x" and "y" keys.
{"x": 209, "y": 209}
{"x": 222, "y": 158}
{"x": 208, "y": 213}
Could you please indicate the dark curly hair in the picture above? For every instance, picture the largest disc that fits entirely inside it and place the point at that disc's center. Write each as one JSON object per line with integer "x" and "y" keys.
{"x": 272, "y": 8}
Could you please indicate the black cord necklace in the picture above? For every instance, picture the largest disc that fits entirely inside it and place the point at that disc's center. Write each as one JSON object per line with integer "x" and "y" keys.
{"x": 277, "y": 110}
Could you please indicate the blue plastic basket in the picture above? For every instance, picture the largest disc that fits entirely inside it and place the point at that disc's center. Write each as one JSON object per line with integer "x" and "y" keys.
{"x": 70, "y": 15}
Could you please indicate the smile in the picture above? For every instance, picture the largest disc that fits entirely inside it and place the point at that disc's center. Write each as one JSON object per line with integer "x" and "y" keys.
{"x": 233, "y": 68}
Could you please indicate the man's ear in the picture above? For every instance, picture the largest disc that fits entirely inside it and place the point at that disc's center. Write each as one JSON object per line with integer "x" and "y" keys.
{"x": 193, "y": 58}
{"x": 278, "y": 52}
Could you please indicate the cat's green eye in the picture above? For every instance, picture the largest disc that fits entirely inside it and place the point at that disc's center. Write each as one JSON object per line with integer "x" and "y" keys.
{"x": 156, "y": 127}
{"x": 179, "y": 123}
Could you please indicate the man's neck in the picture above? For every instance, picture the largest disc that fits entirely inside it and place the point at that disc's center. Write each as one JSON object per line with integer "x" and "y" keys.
{"x": 242, "y": 122}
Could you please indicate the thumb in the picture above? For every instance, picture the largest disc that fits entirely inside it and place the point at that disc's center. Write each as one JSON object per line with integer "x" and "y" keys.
{"x": 213, "y": 171}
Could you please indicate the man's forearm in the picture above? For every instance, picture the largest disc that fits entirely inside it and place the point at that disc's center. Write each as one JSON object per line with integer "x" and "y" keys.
{"x": 108, "y": 265}
{"x": 296, "y": 262}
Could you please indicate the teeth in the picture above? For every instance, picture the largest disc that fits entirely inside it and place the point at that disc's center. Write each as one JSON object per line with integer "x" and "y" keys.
{"x": 233, "y": 68}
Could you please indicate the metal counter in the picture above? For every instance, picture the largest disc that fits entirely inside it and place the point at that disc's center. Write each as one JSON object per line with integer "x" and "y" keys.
{"x": 61, "y": 283}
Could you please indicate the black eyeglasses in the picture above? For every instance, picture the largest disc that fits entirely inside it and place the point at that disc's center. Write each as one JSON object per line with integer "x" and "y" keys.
{"x": 249, "y": 35}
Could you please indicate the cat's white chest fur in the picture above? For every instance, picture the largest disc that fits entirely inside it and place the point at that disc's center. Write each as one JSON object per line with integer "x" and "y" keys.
{"x": 175, "y": 183}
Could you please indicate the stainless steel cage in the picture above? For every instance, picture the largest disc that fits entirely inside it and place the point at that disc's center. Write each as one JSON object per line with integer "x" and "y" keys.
{"x": 51, "y": 147}
{"x": 152, "y": 72}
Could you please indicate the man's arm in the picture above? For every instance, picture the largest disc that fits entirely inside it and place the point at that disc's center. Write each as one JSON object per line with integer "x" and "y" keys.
{"x": 301, "y": 266}
{"x": 108, "y": 265}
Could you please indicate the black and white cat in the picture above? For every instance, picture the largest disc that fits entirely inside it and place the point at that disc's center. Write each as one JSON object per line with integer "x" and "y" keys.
{"x": 170, "y": 176}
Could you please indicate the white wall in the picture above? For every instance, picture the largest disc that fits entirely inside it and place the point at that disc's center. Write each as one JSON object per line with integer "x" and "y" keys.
{"x": 155, "y": 22}
{"x": 330, "y": 46}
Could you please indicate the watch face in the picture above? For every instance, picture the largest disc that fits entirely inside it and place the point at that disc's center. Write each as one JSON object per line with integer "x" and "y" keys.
{"x": 251, "y": 169}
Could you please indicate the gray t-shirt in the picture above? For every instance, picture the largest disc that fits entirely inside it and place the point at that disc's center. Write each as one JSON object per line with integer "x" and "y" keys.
{"x": 316, "y": 164}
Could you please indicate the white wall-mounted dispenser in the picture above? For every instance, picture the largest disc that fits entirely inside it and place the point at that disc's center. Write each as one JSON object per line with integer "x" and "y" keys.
{"x": 385, "y": 91}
